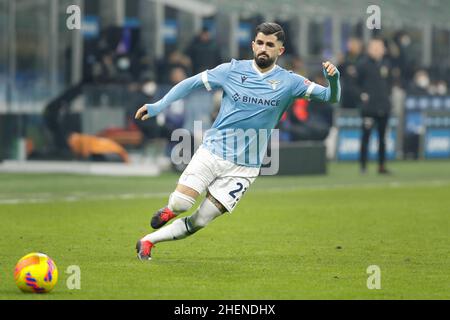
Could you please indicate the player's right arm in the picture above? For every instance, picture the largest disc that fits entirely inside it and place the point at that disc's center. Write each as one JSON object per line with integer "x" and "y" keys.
{"x": 209, "y": 79}
{"x": 303, "y": 88}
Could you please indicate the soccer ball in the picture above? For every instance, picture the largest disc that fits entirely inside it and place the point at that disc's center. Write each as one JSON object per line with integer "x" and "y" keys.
{"x": 36, "y": 272}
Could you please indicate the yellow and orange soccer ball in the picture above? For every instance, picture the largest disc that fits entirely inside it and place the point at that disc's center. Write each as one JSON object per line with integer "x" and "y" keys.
{"x": 36, "y": 272}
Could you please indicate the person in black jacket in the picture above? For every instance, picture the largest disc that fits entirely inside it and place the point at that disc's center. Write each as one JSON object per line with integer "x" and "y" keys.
{"x": 374, "y": 81}
{"x": 204, "y": 52}
{"x": 349, "y": 74}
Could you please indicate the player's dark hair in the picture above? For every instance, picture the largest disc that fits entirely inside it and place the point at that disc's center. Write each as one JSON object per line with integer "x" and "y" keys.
{"x": 269, "y": 28}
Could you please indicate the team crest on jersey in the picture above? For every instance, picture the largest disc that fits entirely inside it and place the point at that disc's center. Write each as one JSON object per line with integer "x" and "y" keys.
{"x": 243, "y": 78}
{"x": 274, "y": 83}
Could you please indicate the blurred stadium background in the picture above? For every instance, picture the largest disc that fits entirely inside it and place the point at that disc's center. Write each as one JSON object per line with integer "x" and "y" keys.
{"x": 56, "y": 82}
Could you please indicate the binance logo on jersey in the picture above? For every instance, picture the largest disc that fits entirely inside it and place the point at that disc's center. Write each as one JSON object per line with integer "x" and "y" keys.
{"x": 260, "y": 101}
{"x": 254, "y": 100}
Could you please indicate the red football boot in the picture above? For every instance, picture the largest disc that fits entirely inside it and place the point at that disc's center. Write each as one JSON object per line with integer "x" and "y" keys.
{"x": 161, "y": 217}
{"x": 144, "y": 250}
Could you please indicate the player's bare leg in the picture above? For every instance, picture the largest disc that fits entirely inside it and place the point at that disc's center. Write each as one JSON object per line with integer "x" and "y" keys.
{"x": 209, "y": 209}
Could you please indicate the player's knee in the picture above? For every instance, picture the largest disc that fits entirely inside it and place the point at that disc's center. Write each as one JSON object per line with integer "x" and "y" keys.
{"x": 179, "y": 202}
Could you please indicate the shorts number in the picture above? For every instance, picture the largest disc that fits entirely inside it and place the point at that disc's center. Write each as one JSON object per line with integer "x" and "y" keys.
{"x": 233, "y": 193}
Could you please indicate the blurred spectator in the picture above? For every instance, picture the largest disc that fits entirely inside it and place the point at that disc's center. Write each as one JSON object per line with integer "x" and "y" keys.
{"x": 405, "y": 61}
{"x": 393, "y": 56}
{"x": 124, "y": 68}
{"x": 438, "y": 87}
{"x": 421, "y": 83}
{"x": 114, "y": 68}
{"x": 176, "y": 59}
{"x": 204, "y": 52}
{"x": 419, "y": 86}
{"x": 375, "y": 88}
{"x": 105, "y": 70}
{"x": 349, "y": 74}
{"x": 298, "y": 66}
{"x": 115, "y": 57}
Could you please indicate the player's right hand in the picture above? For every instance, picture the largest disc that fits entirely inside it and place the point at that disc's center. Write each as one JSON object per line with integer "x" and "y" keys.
{"x": 329, "y": 69}
{"x": 142, "y": 113}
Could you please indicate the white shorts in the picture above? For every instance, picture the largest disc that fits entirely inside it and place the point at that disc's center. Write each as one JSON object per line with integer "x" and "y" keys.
{"x": 226, "y": 181}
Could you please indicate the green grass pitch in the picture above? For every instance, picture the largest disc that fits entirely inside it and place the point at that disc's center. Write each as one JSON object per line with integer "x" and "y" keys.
{"x": 289, "y": 238}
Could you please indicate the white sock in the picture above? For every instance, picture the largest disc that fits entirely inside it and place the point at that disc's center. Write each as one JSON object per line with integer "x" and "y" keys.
{"x": 174, "y": 231}
{"x": 203, "y": 216}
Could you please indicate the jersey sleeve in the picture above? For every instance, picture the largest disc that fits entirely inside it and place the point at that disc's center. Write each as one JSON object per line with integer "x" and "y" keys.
{"x": 177, "y": 92}
{"x": 304, "y": 88}
{"x": 216, "y": 78}
{"x": 301, "y": 86}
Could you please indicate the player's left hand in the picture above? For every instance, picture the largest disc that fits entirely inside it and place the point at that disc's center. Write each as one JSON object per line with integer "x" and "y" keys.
{"x": 330, "y": 69}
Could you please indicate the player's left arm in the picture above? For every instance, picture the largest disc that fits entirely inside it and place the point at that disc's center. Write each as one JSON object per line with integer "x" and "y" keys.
{"x": 177, "y": 92}
{"x": 208, "y": 79}
{"x": 332, "y": 93}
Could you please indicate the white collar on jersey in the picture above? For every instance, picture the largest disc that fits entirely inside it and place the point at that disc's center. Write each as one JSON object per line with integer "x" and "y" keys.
{"x": 262, "y": 73}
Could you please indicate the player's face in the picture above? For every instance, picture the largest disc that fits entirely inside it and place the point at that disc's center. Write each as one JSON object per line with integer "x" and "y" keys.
{"x": 266, "y": 50}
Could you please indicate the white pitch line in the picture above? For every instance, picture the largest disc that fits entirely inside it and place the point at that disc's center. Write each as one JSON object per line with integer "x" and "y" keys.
{"x": 78, "y": 197}
{"x": 73, "y": 198}
{"x": 392, "y": 184}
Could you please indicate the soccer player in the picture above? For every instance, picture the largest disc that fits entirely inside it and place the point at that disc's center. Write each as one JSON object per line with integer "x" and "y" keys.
{"x": 255, "y": 95}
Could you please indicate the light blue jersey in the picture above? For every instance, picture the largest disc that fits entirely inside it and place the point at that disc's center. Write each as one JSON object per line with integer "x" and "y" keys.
{"x": 252, "y": 104}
